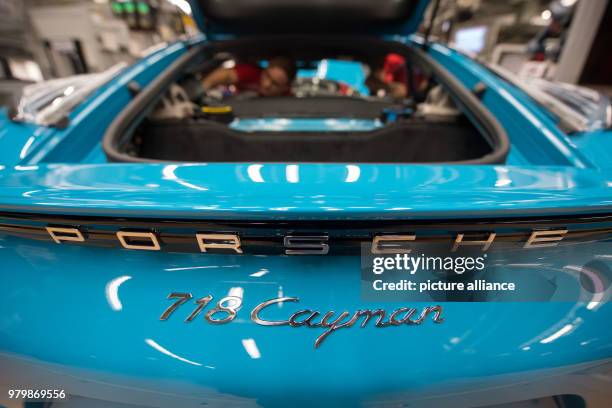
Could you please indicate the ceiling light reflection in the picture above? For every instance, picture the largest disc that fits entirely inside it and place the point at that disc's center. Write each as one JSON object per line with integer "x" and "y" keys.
{"x": 112, "y": 292}
{"x": 260, "y": 273}
{"x": 162, "y": 350}
{"x": 353, "y": 173}
{"x": 251, "y": 348}
{"x": 254, "y": 172}
{"x": 169, "y": 174}
{"x": 561, "y": 332}
{"x": 292, "y": 173}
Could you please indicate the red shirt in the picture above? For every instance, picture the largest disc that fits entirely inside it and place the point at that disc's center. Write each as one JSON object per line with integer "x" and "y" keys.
{"x": 249, "y": 77}
{"x": 395, "y": 69}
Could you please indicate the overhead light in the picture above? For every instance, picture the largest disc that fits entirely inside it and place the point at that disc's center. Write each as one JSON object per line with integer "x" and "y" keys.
{"x": 182, "y": 4}
{"x": 568, "y": 3}
{"x": 546, "y": 14}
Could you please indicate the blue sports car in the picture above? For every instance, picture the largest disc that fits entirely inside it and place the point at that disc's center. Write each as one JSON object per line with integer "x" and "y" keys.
{"x": 164, "y": 242}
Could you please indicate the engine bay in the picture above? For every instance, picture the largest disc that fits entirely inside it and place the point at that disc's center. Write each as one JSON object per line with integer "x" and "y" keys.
{"x": 341, "y": 106}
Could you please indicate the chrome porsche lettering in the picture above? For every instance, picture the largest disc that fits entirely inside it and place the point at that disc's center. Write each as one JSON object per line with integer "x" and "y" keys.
{"x": 306, "y": 245}
{"x": 65, "y": 234}
{"x": 219, "y": 241}
{"x": 545, "y": 238}
{"x": 485, "y": 244}
{"x": 303, "y": 244}
{"x": 138, "y": 240}
{"x": 391, "y": 244}
{"x": 331, "y": 321}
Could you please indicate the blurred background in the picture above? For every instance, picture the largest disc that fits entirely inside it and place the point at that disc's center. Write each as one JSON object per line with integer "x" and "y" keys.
{"x": 46, "y": 39}
{"x": 564, "y": 40}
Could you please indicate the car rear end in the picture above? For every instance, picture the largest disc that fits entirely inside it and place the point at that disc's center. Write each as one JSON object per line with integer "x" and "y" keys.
{"x": 147, "y": 282}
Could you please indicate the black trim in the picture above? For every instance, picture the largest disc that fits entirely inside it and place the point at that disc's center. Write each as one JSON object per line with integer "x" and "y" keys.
{"x": 345, "y": 237}
{"x": 421, "y": 141}
{"x": 491, "y": 128}
{"x": 120, "y": 129}
{"x": 312, "y": 107}
{"x": 140, "y": 106}
{"x": 306, "y": 16}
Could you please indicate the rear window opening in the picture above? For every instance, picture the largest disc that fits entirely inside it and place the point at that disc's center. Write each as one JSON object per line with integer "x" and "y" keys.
{"x": 329, "y": 116}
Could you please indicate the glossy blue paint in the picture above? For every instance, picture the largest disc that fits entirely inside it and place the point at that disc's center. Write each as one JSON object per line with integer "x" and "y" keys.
{"x": 101, "y": 320}
{"x": 16, "y": 139}
{"x": 331, "y": 191}
{"x": 596, "y": 145}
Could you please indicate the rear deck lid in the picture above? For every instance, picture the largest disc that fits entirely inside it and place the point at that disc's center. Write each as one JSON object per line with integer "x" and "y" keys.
{"x": 230, "y": 18}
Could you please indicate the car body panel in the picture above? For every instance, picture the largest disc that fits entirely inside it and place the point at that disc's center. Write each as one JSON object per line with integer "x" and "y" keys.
{"x": 532, "y": 131}
{"x": 260, "y": 191}
{"x": 16, "y": 138}
{"x": 108, "y": 313}
{"x": 597, "y": 145}
{"x": 87, "y": 121}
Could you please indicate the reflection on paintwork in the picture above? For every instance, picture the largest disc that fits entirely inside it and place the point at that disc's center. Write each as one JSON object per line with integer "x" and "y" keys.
{"x": 251, "y": 348}
{"x": 236, "y": 294}
{"x": 254, "y": 172}
{"x": 292, "y": 172}
{"x": 305, "y": 125}
{"x": 225, "y": 190}
{"x": 561, "y": 332}
{"x": 26, "y": 147}
{"x": 161, "y": 349}
{"x": 353, "y": 172}
{"x": 598, "y": 285}
{"x": 502, "y": 177}
{"x": 112, "y": 292}
{"x": 260, "y": 273}
{"x": 169, "y": 173}
{"x": 25, "y": 168}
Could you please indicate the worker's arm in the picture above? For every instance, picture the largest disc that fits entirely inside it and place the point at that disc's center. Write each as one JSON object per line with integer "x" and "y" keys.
{"x": 398, "y": 90}
{"x": 220, "y": 76}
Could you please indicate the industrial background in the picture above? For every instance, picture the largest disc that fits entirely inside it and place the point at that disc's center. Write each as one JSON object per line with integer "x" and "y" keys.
{"x": 564, "y": 40}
